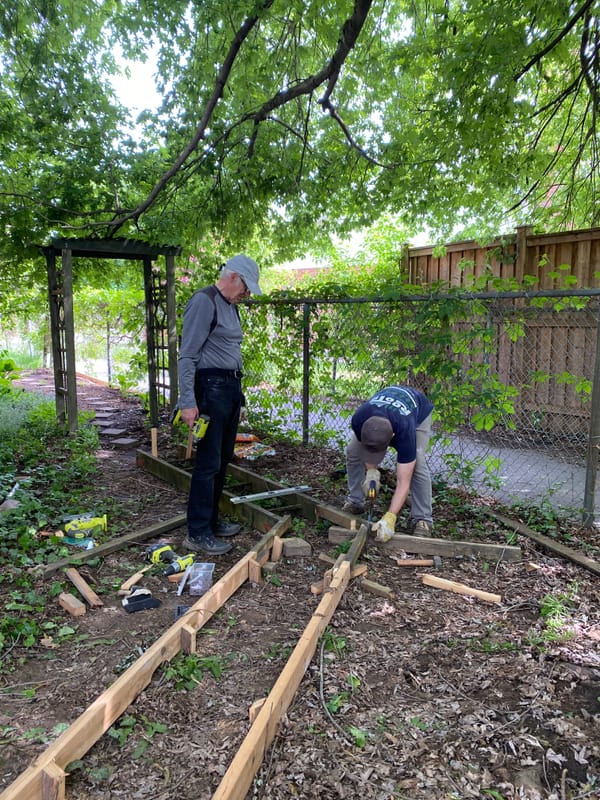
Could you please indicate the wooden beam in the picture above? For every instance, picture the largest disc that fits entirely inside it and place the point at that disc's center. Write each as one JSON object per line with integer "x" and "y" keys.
{"x": 460, "y": 588}
{"x": 238, "y": 778}
{"x": 547, "y": 543}
{"x": 376, "y": 588}
{"x": 447, "y": 547}
{"x": 136, "y": 537}
{"x": 84, "y": 588}
{"x": 251, "y": 513}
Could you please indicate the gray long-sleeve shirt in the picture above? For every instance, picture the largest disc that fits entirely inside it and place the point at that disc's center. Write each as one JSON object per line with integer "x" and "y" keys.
{"x": 202, "y": 348}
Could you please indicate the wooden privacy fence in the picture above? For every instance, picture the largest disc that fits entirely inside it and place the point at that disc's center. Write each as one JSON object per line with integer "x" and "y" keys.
{"x": 512, "y": 256}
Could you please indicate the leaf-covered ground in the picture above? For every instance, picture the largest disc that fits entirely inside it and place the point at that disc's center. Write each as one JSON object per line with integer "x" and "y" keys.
{"x": 424, "y": 694}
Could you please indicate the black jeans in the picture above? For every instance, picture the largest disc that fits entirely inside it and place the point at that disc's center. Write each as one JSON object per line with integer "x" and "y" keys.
{"x": 219, "y": 396}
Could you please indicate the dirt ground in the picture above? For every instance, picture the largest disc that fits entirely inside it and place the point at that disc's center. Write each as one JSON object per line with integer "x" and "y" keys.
{"x": 426, "y": 694}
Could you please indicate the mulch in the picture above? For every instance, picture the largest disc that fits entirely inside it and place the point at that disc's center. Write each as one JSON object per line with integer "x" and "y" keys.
{"x": 423, "y": 694}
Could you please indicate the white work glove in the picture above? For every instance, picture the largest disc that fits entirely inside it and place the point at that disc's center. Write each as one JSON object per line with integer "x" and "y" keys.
{"x": 372, "y": 475}
{"x": 385, "y": 527}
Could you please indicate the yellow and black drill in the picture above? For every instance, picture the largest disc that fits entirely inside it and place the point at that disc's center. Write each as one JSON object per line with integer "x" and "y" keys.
{"x": 371, "y": 495}
{"x": 179, "y": 564}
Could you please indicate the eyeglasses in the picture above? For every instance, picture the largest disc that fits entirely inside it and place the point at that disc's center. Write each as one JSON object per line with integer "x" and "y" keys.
{"x": 246, "y": 289}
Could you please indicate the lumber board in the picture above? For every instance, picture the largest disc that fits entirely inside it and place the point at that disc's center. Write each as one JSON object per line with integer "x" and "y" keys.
{"x": 135, "y": 578}
{"x": 548, "y": 544}
{"x": 43, "y": 571}
{"x": 376, "y": 588}
{"x": 238, "y": 778}
{"x": 311, "y": 509}
{"x": 251, "y": 513}
{"x": 83, "y": 587}
{"x": 460, "y": 588}
{"x": 83, "y": 733}
{"x": 445, "y": 547}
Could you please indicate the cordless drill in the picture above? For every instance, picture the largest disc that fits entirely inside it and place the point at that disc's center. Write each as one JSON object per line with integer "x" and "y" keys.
{"x": 372, "y": 494}
{"x": 179, "y": 564}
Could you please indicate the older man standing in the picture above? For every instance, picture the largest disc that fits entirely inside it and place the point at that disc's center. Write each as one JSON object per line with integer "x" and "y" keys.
{"x": 210, "y": 375}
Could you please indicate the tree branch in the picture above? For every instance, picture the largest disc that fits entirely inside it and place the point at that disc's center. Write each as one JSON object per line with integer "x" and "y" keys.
{"x": 217, "y": 93}
{"x": 553, "y": 42}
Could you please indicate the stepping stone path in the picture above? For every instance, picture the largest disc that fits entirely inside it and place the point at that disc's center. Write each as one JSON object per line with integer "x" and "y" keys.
{"x": 105, "y": 418}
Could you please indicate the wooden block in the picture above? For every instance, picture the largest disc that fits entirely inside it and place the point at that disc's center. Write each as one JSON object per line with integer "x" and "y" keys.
{"x": 176, "y": 577}
{"x": 71, "y": 604}
{"x": 460, "y": 588}
{"x": 325, "y": 559}
{"x": 376, "y": 588}
{"x": 255, "y": 572}
{"x": 296, "y": 548}
{"x": 84, "y": 588}
{"x": 337, "y": 535}
{"x": 317, "y": 587}
{"x": 276, "y": 548}
{"x": 188, "y": 639}
{"x": 269, "y": 568}
{"x": 255, "y": 708}
{"x": 53, "y": 781}
{"x": 154, "y": 442}
{"x": 135, "y": 578}
{"x": 358, "y": 570}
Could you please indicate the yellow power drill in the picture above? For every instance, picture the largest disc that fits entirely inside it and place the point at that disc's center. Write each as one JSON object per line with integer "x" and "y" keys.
{"x": 179, "y": 564}
{"x": 372, "y": 494}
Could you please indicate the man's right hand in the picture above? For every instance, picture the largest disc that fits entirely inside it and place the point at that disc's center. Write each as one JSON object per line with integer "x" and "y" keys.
{"x": 189, "y": 415}
{"x": 372, "y": 475}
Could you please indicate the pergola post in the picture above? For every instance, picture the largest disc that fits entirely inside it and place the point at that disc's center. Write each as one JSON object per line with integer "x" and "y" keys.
{"x": 55, "y": 301}
{"x": 69, "y": 325}
{"x": 62, "y": 325}
{"x": 173, "y": 346}
{"x": 150, "y": 343}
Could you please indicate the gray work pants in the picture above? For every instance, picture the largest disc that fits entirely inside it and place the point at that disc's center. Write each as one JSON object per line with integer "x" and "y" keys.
{"x": 420, "y": 484}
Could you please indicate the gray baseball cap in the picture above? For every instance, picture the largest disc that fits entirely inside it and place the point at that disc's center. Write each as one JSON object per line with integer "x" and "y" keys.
{"x": 247, "y": 269}
{"x": 375, "y": 437}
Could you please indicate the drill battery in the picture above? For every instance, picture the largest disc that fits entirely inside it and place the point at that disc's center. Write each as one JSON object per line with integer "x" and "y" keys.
{"x": 160, "y": 552}
{"x": 199, "y": 427}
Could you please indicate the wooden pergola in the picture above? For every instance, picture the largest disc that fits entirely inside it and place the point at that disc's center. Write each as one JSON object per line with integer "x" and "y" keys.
{"x": 160, "y": 312}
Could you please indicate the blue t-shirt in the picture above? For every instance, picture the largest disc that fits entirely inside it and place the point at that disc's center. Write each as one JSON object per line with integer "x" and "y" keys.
{"x": 405, "y": 408}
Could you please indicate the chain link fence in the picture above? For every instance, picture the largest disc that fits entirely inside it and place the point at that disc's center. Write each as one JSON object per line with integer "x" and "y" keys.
{"x": 514, "y": 378}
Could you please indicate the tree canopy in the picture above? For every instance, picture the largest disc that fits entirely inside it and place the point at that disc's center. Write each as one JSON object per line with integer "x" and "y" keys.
{"x": 284, "y": 122}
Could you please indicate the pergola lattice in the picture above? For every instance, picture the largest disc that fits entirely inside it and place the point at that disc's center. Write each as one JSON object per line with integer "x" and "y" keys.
{"x": 160, "y": 310}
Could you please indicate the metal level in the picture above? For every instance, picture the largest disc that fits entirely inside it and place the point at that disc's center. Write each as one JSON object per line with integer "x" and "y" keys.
{"x": 246, "y": 498}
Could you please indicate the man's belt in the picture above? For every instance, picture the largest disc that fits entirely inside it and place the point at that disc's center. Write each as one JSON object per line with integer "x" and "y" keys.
{"x": 226, "y": 373}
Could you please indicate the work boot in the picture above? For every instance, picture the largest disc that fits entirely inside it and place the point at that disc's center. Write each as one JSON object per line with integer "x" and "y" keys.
{"x": 422, "y": 528}
{"x": 207, "y": 544}
{"x": 226, "y": 529}
{"x": 353, "y": 508}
